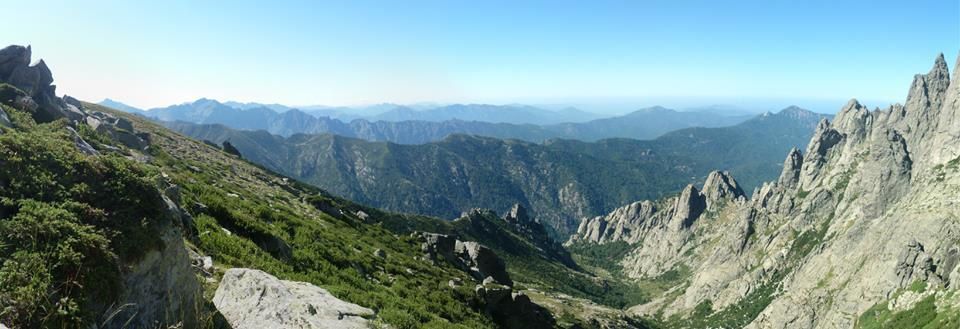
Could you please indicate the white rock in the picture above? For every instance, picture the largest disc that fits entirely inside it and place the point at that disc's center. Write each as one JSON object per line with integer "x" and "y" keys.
{"x": 207, "y": 263}
{"x": 252, "y": 299}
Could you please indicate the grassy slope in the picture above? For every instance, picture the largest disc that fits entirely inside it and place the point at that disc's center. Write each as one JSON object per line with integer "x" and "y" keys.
{"x": 276, "y": 225}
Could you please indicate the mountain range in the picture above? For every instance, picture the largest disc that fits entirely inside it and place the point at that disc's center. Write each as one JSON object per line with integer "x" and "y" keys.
{"x": 111, "y": 220}
{"x": 860, "y": 230}
{"x": 561, "y": 181}
{"x": 408, "y": 126}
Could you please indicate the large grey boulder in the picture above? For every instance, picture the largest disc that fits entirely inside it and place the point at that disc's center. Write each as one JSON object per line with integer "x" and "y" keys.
{"x": 160, "y": 290}
{"x": 482, "y": 262}
{"x": 252, "y": 299}
{"x": 512, "y": 309}
{"x": 476, "y": 259}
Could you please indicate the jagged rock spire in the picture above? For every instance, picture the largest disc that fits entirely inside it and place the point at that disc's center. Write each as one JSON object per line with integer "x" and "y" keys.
{"x": 688, "y": 207}
{"x": 517, "y": 214}
{"x": 791, "y": 169}
{"x": 854, "y": 120}
{"x": 720, "y": 186}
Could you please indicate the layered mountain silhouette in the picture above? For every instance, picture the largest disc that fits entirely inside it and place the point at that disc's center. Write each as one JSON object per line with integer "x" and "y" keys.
{"x": 406, "y": 125}
{"x": 560, "y": 181}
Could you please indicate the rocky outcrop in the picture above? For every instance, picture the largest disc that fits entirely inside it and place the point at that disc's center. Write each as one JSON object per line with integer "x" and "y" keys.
{"x": 477, "y": 260}
{"x": 119, "y": 129}
{"x": 482, "y": 262}
{"x": 632, "y": 223}
{"x": 37, "y": 82}
{"x": 790, "y": 175}
{"x": 508, "y": 308}
{"x": 720, "y": 187}
{"x": 512, "y": 309}
{"x": 914, "y": 264}
{"x": 532, "y": 230}
{"x": 161, "y": 289}
{"x": 81, "y": 144}
{"x": 858, "y": 218}
{"x": 252, "y": 299}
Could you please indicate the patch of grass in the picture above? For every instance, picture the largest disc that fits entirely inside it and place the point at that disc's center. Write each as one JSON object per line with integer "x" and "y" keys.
{"x": 918, "y": 286}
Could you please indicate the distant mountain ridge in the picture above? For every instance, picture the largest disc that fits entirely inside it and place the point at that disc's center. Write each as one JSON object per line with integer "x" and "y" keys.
{"x": 120, "y": 106}
{"x": 405, "y": 125}
{"x": 561, "y": 180}
{"x": 517, "y": 114}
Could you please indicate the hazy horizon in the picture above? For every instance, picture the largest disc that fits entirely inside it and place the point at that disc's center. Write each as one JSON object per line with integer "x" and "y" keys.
{"x": 607, "y": 57}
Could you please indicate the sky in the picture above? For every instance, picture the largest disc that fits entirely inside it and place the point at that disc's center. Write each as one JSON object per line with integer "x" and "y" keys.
{"x": 597, "y": 55}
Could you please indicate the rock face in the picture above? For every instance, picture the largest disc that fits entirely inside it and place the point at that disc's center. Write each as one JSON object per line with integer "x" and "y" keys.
{"x": 852, "y": 222}
{"x": 161, "y": 289}
{"x": 632, "y": 222}
{"x": 252, "y": 299}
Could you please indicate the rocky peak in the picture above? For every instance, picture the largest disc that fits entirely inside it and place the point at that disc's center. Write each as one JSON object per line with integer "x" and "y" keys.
{"x": 791, "y": 169}
{"x": 926, "y": 97}
{"x": 929, "y": 89}
{"x": 854, "y": 119}
{"x": 517, "y": 214}
{"x": 797, "y": 112}
{"x": 720, "y": 186}
{"x": 688, "y": 207}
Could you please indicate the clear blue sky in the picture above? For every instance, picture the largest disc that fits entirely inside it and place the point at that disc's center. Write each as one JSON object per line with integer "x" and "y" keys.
{"x": 583, "y": 52}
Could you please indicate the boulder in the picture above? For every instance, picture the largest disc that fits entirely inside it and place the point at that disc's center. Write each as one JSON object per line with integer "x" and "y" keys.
{"x": 482, "y": 262}
{"x": 512, "y": 309}
{"x": 161, "y": 289}
{"x": 252, "y": 299}
{"x": 476, "y": 259}
{"x": 436, "y": 246}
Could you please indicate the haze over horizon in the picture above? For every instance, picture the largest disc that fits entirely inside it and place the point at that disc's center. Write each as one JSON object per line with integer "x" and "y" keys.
{"x": 605, "y": 57}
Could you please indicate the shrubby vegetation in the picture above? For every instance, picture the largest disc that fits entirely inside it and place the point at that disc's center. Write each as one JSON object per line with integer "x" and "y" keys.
{"x": 68, "y": 222}
{"x": 924, "y": 314}
{"x": 248, "y": 217}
